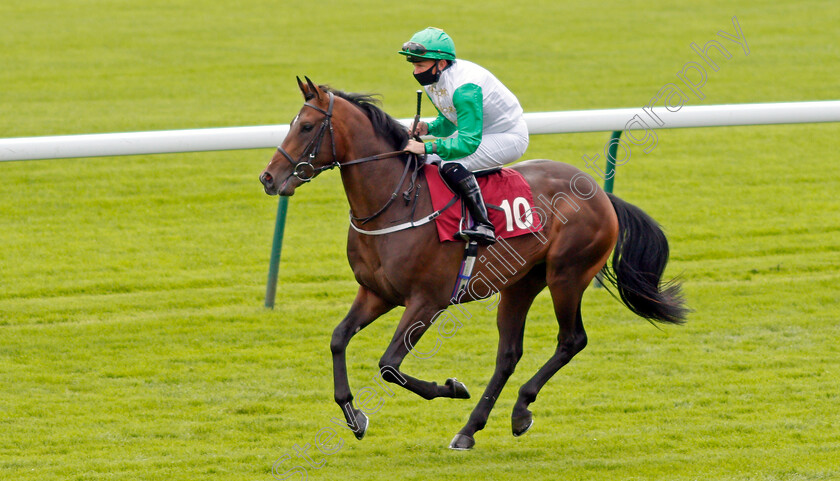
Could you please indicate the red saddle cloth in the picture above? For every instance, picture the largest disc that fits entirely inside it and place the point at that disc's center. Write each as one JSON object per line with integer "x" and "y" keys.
{"x": 508, "y": 198}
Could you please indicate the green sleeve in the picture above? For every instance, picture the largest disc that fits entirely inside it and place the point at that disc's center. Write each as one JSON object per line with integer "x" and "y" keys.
{"x": 441, "y": 126}
{"x": 469, "y": 103}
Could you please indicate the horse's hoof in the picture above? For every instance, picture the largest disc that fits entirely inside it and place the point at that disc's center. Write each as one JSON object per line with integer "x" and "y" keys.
{"x": 462, "y": 442}
{"x": 521, "y": 424}
{"x": 361, "y": 425}
{"x": 459, "y": 390}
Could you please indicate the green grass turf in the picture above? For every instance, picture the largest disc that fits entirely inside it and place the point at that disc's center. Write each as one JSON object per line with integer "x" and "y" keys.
{"x": 133, "y": 341}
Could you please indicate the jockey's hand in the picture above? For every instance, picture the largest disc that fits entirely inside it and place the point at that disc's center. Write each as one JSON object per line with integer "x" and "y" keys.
{"x": 421, "y": 129}
{"x": 415, "y": 147}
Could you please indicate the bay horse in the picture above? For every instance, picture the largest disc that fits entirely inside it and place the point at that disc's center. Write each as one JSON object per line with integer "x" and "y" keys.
{"x": 582, "y": 227}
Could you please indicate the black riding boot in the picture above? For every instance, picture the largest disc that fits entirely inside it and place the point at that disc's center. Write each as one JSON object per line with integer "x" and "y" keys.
{"x": 464, "y": 183}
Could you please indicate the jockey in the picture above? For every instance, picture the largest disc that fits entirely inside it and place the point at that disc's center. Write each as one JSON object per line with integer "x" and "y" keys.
{"x": 479, "y": 123}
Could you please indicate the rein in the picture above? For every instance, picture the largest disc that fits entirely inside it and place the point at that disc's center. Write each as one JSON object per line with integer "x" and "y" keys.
{"x": 305, "y": 171}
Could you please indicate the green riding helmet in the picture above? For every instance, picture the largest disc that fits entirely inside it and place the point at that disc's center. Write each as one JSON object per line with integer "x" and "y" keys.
{"x": 431, "y": 43}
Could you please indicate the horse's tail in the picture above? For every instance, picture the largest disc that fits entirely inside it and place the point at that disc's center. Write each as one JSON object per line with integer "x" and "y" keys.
{"x": 639, "y": 259}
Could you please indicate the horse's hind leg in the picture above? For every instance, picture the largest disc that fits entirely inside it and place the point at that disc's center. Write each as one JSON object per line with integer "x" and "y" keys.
{"x": 571, "y": 339}
{"x": 513, "y": 307}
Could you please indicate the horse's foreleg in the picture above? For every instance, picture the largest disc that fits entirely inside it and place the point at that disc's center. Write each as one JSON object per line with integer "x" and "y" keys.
{"x": 513, "y": 308}
{"x": 416, "y": 320}
{"x": 366, "y": 308}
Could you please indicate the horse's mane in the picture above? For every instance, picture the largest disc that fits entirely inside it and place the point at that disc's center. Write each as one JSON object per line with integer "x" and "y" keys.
{"x": 384, "y": 125}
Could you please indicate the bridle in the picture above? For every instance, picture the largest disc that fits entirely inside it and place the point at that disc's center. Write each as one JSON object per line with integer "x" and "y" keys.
{"x": 305, "y": 171}
{"x": 315, "y": 146}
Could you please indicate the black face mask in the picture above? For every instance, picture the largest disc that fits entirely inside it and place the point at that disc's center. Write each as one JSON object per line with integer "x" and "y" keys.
{"x": 427, "y": 77}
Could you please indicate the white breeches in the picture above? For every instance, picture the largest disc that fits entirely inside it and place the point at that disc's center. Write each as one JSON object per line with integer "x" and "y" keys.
{"x": 495, "y": 150}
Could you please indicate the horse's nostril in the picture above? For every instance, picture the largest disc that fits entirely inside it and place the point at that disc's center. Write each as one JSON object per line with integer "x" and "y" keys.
{"x": 266, "y": 177}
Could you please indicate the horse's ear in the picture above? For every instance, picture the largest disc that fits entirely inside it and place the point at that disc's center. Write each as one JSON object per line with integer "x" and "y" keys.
{"x": 307, "y": 94}
{"x": 312, "y": 86}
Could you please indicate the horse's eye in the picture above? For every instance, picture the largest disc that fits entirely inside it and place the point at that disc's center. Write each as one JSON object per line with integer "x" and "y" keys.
{"x": 306, "y": 127}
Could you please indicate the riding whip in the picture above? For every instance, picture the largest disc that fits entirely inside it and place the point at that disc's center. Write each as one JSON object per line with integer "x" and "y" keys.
{"x": 417, "y": 117}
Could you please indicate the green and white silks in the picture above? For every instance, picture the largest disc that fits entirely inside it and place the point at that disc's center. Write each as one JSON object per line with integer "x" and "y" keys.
{"x": 479, "y": 121}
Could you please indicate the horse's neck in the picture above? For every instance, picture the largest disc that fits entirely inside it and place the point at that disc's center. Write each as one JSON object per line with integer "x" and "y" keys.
{"x": 370, "y": 186}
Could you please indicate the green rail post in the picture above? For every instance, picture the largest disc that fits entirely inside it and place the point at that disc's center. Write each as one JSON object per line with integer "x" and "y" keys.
{"x": 276, "y": 247}
{"x": 609, "y": 178}
{"x": 609, "y": 181}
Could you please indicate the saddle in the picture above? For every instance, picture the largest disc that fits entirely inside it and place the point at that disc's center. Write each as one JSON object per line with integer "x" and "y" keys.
{"x": 486, "y": 172}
